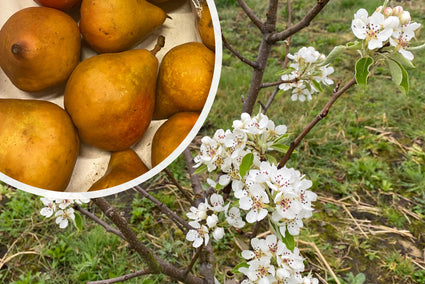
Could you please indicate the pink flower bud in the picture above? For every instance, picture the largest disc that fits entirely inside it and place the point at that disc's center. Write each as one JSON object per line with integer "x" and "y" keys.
{"x": 405, "y": 18}
{"x": 388, "y": 11}
{"x": 397, "y": 11}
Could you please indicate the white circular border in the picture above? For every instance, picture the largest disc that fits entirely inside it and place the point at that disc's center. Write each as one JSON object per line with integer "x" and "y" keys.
{"x": 173, "y": 156}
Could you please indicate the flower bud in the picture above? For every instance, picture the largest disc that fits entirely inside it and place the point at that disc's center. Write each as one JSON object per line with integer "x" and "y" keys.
{"x": 379, "y": 9}
{"x": 397, "y": 11}
{"x": 388, "y": 11}
{"x": 218, "y": 233}
{"x": 405, "y": 18}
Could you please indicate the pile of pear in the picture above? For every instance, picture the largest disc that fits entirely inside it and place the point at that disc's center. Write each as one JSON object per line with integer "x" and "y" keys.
{"x": 109, "y": 99}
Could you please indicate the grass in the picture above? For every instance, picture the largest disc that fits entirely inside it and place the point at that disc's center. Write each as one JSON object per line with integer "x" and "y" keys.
{"x": 366, "y": 160}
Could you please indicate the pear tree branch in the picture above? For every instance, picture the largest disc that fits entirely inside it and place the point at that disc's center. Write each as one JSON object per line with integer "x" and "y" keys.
{"x": 323, "y": 113}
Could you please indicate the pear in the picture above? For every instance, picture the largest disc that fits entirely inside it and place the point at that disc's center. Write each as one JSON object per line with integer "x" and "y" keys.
{"x": 171, "y": 134}
{"x": 117, "y": 25}
{"x": 184, "y": 79}
{"x": 110, "y": 97}
{"x": 123, "y": 166}
{"x": 39, "y": 145}
{"x": 205, "y": 27}
{"x": 39, "y": 48}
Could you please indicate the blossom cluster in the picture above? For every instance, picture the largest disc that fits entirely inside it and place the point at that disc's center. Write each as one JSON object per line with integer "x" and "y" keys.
{"x": 61, "y": 209}
{"x": 307, "y": 73}
{"x": 386, "y": 26}
{"x": 271, "y": 261}
{"x": 259, "y": 190}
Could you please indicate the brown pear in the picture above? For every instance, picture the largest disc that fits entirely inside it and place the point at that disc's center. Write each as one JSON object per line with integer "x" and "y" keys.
{"x": 117, "y": 25}
{"x": 38, "y": 143}
{"x": 205, "y": 26}
{"x": 184, "y": 79}
{"x": 39, "y": 48}
{"x": 171, "y": 134}
{"x": 123, "y": 166}
{"x": 110, "y": 97}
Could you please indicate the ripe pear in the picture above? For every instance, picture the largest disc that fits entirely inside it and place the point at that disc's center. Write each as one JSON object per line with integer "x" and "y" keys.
{"x": 63, "y": 5}
{"x": 117, "y": 25}
{"x": 171, "y": 134}
{"x": 38, "y": 143}
{"x": 123, "y": 166}
{"x": 110, "y": 97}
{"x": 184, "y": 79}
{"x": 39, "y": 48}
{"x": 205, "y": 27}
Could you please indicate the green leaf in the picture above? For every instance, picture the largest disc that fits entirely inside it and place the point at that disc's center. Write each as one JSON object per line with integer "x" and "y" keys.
{"x": 334, "y": 54}
{"x": 282, "y": 148}
{"x": 317, "y": 86}
{"x": 281, "y": 138}
{"x": 78, "y": 222}
{"x": 240, "y": 265}
{"x": 289, "y": 241}
{"x": 404, "y": 81}
{"x": 246, "y": 164}
{"x": 286, "y": 71}
{"x": 354, "y": 45}
{"x": 362, "y": 70}
{"x": 395, "y": 70}
{"x": 396, "y": 56}
{"x": 201, "y": 169}
{"x": 272, "y": 160}
{"x": 359, "y": 279}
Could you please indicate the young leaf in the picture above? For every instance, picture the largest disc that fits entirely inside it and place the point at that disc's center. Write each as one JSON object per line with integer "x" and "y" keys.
{"x": 362, "y": 70}
{"x": 395, "y": 70}
{"x": 405, "y": 80}
{"x": 272, "y": 160}
{"x": 289, "y": 241}
{"x": 317, "y": 86}
{"x": 246, "y": 164}
{"x": 334, "y": 54}
{"x": 282, "y": 148}
{"x": 396, "y": 56}
{"x": 286, "y": 71}
{"x": 201, "y": 169}
{"x": 281, "y": 138}
{"x": 236, "y": 269}
{"x": 78, "y": 222}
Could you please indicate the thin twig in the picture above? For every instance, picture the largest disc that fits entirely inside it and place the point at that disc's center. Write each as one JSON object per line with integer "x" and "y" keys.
{"x": 176, "y": 183}
{"x": 245, "y": 60}
{"x": 194, "y": 258}
{"x": 318, "y": 118}
{"x": 272, "y": 84}
{"x": 154, "y": 263}
{"x": 275, "y": 37}
{"x": 183, "y": 225}
{"x": 105, "y": 225}
{"x": 122, "y": 278}
{"x": 251, "y": 15}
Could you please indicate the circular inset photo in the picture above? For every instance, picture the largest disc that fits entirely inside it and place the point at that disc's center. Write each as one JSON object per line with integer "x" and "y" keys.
{"x": 97, "y": 97}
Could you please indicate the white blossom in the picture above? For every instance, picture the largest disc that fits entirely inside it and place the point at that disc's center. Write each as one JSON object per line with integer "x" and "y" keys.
{"x": 198, "y": 213}
{"x": 62, "y": 217}
{"x": 50, "y": 207}
{"x": 233, "y": 217}
{"x": 218, "y": 233}
{"x": 198, "y": 235}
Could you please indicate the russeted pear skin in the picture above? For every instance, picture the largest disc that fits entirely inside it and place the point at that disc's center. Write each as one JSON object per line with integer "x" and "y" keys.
{"x": 205, "y": 27}
{"x": 123, "y": 166}
{"x": 118, "y": 25}
{"x": 171, "y": 134}
{"x": 39, "y": 48}
{"x": 110, "y": 98}
{"x": 184, "y": 79}
{"x": 39, "y": 145}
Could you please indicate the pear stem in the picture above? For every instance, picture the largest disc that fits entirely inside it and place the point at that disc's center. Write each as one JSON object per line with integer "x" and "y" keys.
{"x": 16, "y": 49}
{"x": 160, "y": 42}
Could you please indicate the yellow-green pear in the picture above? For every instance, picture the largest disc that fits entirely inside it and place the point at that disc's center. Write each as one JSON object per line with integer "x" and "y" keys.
{"x": 117, "y": 25}
{"x": 38, "y": 143}
{"x": 123, "y": 166}
{"x": 110, "y": 97}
